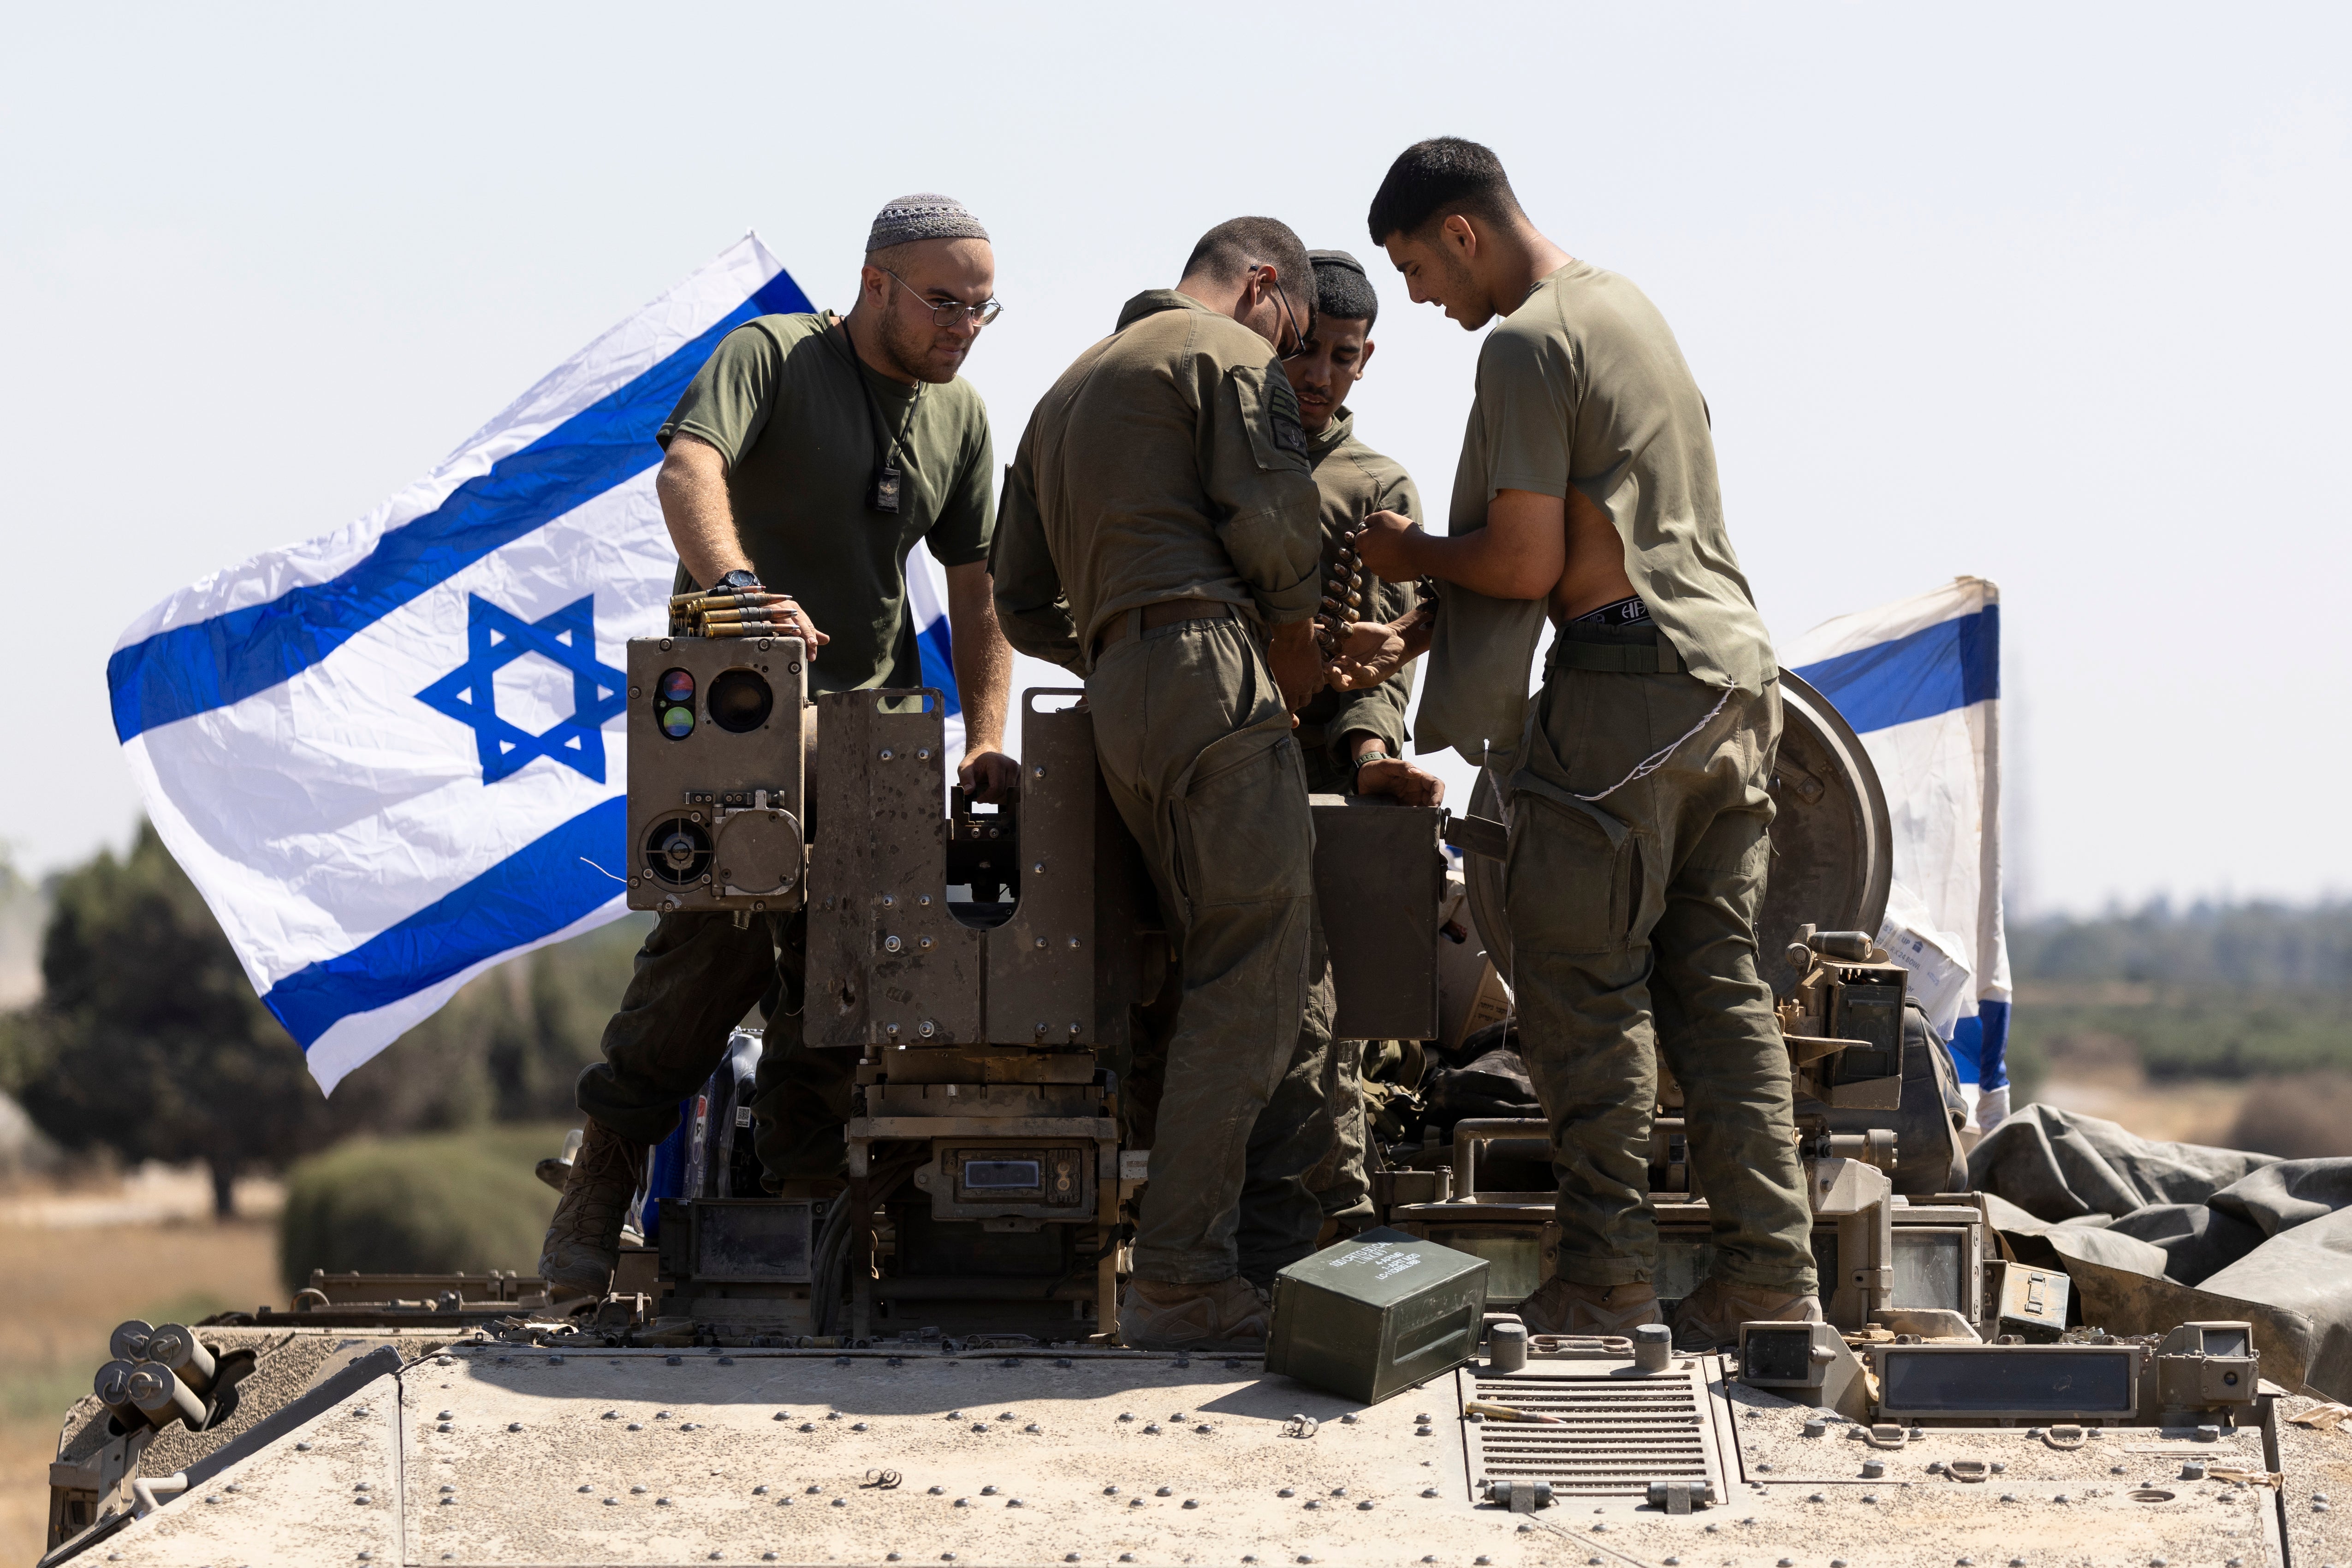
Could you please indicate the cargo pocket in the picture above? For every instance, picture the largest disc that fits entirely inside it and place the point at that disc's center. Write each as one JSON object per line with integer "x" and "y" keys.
{"x": 1569, "y": 884}
{"x": 1242, "y": 829}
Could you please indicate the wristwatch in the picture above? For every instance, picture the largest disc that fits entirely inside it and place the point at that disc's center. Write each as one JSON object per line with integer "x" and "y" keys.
{"x": 737, "y": 581}
{"x": 1377, "y": 754}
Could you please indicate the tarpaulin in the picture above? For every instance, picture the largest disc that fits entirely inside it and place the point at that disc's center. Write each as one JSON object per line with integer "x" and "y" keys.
{"x": 2156, "y": 1234}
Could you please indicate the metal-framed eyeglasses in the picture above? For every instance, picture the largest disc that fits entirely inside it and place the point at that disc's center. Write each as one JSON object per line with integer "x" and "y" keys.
{"x": 952, "y": 313}
{"x": 1299, "y": 341}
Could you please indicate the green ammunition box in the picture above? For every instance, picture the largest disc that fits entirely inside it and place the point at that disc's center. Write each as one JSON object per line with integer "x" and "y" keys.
{"x": 1376, "y": 1314}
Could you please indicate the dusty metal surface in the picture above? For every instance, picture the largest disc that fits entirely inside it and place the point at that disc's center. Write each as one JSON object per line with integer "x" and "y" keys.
{"x": 1041, "y": 963}
{"x": 508, "y": 1454}
{"x": 329, "y": 1493}
{"x": 745, "y": 1454}
{"x": 2316, "y": 1497}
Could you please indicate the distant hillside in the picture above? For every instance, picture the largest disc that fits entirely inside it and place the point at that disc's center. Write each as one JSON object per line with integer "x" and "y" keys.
{"x": 2208, "y": 992}
{"x": 2243, "y": 946}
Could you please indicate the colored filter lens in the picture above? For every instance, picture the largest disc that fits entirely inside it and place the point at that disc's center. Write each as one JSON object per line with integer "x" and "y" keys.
{"x": 677, "y": 723}
{"x": 676, "y": 685}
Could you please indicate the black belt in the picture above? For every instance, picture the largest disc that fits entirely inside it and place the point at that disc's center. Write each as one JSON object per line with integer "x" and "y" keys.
{"x": 1627, "y": 651}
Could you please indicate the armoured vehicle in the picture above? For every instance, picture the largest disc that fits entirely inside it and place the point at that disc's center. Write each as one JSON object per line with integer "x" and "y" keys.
{"x": 914, "y": 1365}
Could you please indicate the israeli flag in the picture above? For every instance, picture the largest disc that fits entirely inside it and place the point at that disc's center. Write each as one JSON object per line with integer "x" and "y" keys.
{"x": 1920, "y": 679}
{"x": 395, "y": 756}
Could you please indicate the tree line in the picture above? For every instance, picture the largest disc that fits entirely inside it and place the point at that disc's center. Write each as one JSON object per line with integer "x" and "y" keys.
{"x": 148, "y": 1041}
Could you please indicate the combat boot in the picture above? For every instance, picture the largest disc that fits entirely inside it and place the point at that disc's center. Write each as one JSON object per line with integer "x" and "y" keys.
{"x": 1226, "y": 1314}
{"x": 1710, "y": 1315}
{"x": 583, "y": 1240}
{"x": 1564, "y": 1307}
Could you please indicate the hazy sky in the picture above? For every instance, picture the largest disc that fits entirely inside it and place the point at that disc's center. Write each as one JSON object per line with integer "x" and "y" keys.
{"x": 2054, "y": 295}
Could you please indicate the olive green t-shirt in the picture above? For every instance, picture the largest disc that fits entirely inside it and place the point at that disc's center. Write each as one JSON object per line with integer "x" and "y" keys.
{"x": 1584, "y": 386}
{"x": 1354, "y": 482}
{"x": 781, "y": 400}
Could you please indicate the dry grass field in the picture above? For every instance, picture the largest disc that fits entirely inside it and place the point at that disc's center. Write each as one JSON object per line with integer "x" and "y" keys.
{"x": 70, "y": 1284}
{"x": 2184, "y": 1111}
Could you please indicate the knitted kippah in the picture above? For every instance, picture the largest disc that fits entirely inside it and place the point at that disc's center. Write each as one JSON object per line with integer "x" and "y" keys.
{"x": 925, "y": 214}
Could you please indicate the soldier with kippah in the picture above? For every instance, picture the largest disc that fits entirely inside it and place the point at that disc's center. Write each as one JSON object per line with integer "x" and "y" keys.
{"x": 810, "y": 454}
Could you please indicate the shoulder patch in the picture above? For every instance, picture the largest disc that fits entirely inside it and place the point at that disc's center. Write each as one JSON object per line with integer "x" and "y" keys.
{"x": 1289, "y": 431}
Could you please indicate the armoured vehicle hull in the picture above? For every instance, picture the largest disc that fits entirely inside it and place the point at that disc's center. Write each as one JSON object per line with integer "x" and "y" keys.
{"x": 487, "y": 1450}
{"x": 911, "y": 1363}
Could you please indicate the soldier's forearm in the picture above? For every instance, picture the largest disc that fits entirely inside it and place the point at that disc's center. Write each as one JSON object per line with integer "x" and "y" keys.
{"x": 983, "y": 660}
{"x": 692, "y": 488}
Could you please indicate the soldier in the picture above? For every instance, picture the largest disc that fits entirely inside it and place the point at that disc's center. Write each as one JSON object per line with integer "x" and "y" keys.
{"x": 1160, "y": 539}
{"x": 810, "y": 454}
{"x": 1353, "y": 740}
{"x": 1637, "y": 793}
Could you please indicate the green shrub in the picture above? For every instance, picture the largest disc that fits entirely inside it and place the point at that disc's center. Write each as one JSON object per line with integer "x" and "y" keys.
{"x": 419, "y": 1206}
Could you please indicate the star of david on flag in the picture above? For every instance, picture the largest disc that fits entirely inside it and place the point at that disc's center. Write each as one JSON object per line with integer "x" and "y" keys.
{"x": 395, "y": 755}
{"x": 495, "y": 639}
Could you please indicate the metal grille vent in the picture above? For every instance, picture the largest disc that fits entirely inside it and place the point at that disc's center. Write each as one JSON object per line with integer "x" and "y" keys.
{"x": 1620, "y": 1431}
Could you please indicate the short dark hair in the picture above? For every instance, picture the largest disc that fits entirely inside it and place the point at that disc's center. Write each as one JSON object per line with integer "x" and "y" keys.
{"x": 1341, "y": 290}
{"x": 1444, "y": 175}
{"x": 1228, "y": 251}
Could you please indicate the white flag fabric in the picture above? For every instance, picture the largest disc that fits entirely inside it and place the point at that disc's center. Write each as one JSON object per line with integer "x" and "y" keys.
{"x": 1919, "y": 680}
{"x": 395, "y": 755}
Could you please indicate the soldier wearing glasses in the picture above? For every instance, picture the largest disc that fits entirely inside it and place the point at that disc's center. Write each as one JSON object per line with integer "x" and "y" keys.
{"x": 1161, "y": 538}
{"x": 809, "y": 455}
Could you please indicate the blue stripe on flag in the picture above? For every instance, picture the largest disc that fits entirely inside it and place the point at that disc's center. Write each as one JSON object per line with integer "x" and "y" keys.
{"x": 938, "y": 651}
{"x": 192, "y": 669}
{"x": 1981, "y": 1047}
{"x": 1934, "y": 670}
{"x": 533, "y": 893}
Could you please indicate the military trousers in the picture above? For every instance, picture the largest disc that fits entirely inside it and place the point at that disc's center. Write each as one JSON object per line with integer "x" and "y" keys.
{"x": 1196, "y": 747}
{"x": 1631, "y": 919}
{"x": 697, "y": 976}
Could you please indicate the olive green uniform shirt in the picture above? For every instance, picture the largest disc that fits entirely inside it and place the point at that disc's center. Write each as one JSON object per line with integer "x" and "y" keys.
{"x": 784, "y": 399}
{"x": 1355, "y": 481}
{"x": 1167, "y": 463}
{"x": 1584, "y": 386}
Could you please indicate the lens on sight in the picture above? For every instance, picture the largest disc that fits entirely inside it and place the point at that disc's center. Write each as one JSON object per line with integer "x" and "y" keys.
{"x": 677, "y": 723}
{"x": 676, "y": 685}
{"x": 741, "y": 700}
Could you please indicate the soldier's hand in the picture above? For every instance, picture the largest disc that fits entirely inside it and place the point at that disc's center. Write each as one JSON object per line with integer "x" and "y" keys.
{"x": 990, "y": 776}
{"x": 1380, "y": 544}
{"x": 1402, "y": 781}
{"x": 1367, "y": 655}
{"x": 790, "y": 616}
{"x": 1296, "y": 663}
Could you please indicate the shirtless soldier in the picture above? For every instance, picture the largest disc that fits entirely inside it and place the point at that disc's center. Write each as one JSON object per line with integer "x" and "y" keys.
{"x": 1637, "y": 785}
